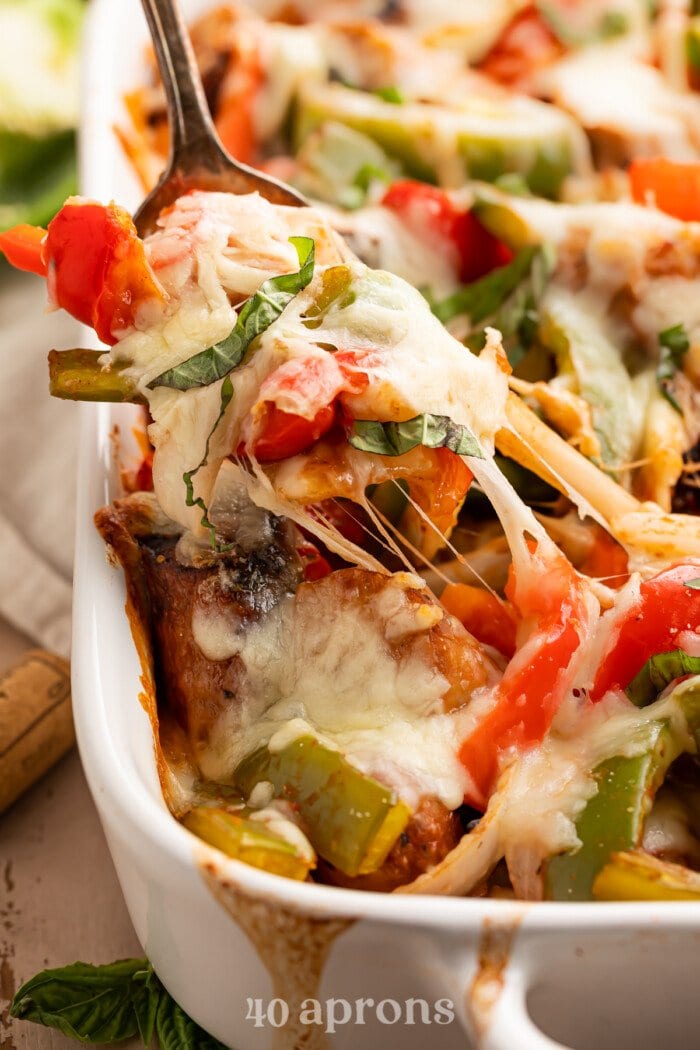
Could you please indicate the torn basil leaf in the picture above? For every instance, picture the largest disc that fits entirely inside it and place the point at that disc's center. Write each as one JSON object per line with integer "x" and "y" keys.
{"x": 226, "y": 395}
{"x": 394, "y": 439}
{"x": 109, "y": 1004}
{"x": 482, "y": 298}
{"x": 257, "y": 314}
{"x": 658, "y": 672}
{"x": 673, "y": 345}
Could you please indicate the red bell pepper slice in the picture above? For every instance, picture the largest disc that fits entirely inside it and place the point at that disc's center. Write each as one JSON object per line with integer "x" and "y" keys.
{"x": 285, "y": 434}
{"x": 485, "y": 617}
{"x": 526, "y": 45}
{"x": 308, "y": 388}
{"x": 550, "y": 598}
{"x": 235, "y": 112}
{"x": 23, "y": 246}
{"x": 98, "y": 270}
{"x": 314, "y": 565}
{"x": 672, "y": 185}
{"x": 430, "y": 213}
{"x": 665, "y": 608}
{"x": 94, "y": 262}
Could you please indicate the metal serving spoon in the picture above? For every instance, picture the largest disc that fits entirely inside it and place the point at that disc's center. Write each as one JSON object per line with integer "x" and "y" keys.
{"x": 197, "y": 158}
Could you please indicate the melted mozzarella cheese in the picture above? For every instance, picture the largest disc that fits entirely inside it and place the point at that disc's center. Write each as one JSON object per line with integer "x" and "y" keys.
{"x": 667, "y": 830}
{"x": 399, "y": 343}
{"x": 215, "y": 249}
{"x": 379, "y": 237}
{"x": 339, "y": 678}
{"x": 291, "y": 56}
{"x": 608, "y": 88}
{"x": 469, "y": 26}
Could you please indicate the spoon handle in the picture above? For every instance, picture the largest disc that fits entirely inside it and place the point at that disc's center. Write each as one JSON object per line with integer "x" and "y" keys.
{"x": 192, "y": 132}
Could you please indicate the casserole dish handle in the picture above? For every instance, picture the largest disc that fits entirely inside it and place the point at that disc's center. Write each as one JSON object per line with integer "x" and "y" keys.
{"x": 500, "y": 1019}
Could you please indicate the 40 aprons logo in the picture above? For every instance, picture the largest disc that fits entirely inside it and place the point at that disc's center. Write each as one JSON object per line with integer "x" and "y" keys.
{"x": 331, "y": 1014}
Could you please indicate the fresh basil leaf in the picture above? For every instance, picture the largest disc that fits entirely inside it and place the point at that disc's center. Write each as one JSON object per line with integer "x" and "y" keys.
{"x": 148, "y": 992}
{"x": 391, "y": 94}
{"x": 256, "y": 316}
{"x": 394, "y": 439}
{"x": 658, "y": 672}
{"x": 93, "y": 1004}
{"x": 108, "y": 1004}
{"x": 177, "y": 1031}
{"x": 693, "y": 584}
{"x": 226, "y": 395}
{"x": 673, "y": 345}
{"x": 482, "y": 298}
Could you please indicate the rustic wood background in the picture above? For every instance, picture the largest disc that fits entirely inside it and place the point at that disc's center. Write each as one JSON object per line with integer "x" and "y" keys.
{"x": 59, "y": 897}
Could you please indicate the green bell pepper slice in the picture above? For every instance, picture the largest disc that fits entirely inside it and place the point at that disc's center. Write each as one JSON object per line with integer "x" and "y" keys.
{"x": 489, "y": 136}
{"x": 77, "y": 375}
{"x": 593, "y": 364}
{"x": 350, "y": 819}
{"x": 335, "y": 288}
{"x": 236, "y": 835}
{"x": 613, "y": 819}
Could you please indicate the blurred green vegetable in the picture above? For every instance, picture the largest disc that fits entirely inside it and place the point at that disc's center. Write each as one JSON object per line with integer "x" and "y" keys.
{"x": 36, "y": 176}
{"x": 673, "y": 346}
{"x": 38, "y": 107}
{"x": 488, "y": 135}
{"x": 483, "y": 297}
{"x": 338, "y": 164}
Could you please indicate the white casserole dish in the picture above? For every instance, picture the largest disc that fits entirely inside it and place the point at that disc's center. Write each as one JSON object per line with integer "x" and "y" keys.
{"x": 595, "y": 977}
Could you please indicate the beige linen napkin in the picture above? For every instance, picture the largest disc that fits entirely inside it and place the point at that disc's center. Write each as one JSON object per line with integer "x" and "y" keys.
{"x": 37, "y": 467}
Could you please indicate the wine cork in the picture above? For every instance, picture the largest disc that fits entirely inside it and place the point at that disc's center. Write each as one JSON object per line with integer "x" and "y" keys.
{"x": 36, "y": 724}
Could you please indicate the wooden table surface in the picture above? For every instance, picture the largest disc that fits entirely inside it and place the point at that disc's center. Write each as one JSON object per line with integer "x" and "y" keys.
{"x": 59, "y": 896}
